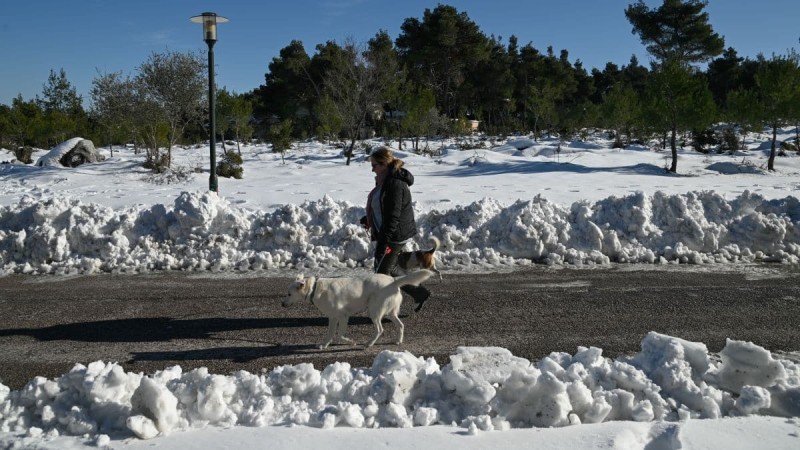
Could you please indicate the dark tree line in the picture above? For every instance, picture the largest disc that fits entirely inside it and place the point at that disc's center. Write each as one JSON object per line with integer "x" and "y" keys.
{"x": 442, "y": 71}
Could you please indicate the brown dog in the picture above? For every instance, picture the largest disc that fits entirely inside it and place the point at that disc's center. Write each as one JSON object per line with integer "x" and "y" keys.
{"x": 420, "y": 259}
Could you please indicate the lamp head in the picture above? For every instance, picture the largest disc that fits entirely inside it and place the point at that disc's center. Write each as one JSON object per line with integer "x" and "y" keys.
{"x": 209, "y": 21}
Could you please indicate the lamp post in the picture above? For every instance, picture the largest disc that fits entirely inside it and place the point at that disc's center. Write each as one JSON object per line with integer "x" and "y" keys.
{"x": 210, "y": 21}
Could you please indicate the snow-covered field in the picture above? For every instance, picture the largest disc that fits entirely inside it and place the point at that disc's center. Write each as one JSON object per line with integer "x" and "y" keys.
{"x": 512, "y": 202}
{"x": 491, "y": 208}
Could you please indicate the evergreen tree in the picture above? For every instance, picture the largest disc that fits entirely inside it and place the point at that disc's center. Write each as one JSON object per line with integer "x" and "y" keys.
{"x": 280, "y": 136}
{"x": 382, "y": 58}
{"x": 5, "y": 126}
{"x": 742, "y": 109}
{"x": 778, "y": 96}
{"x": 605, "y": 80}
{"x": 58, "y": 94}
{"x": 558, "y": 85}
{"x": 62, "y": 108}
{"x": 240, "y": 119}
{"x": 579, "y": 112}
{"x": 290, "y": 90}
{"x": 329, "y": 123}
{"x": 635, "y": 75}
{"x": 678, "y": 30}
{"x": 420, "y": 119}
{"x": 439, "y": 51}
{"x": 234, "y": 113}
{"x": 619, "y": 112}
{"x": 26, "y": 122}
{"x": 490, "y": 86}
{"x": 524, "y": 70}
{"x": 724, "y": 75}
{"x": 678, "y": 35}
{"x": 678, "y": 100}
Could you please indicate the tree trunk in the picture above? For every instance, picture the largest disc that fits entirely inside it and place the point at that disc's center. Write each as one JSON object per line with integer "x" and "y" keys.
{"x": 673, "y": 138}
{"x": 771, "y": 161}
{"x": 222, "y": 141}
{"x": 618, "y": 139}
{"x": 350, "y": 150}
{"x": 238, "y": 148}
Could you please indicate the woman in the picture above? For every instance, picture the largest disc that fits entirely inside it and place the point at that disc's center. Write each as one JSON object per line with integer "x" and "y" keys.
{"x": 390, "y": 217}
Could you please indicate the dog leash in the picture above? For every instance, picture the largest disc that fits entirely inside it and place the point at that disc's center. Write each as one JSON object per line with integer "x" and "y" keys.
{"x": 386, "y": 252}
{"x": 313, "y": 291}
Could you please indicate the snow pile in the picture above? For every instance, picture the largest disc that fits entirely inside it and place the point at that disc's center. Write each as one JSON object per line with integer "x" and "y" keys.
{"x": 202, "y": 231}
{"x": 483, "y": 388}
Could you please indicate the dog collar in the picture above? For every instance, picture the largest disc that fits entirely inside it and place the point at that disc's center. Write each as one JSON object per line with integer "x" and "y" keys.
{"x": 313, "y": 291}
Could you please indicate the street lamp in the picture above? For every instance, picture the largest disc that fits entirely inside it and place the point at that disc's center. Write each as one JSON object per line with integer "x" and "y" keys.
{"x": 210, "y": 21}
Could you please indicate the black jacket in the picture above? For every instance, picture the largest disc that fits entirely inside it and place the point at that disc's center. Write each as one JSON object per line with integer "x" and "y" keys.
{"x": 396, "y": 211}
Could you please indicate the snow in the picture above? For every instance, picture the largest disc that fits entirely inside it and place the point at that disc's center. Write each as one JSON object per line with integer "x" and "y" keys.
{"x": 53, "y": 157}
{"x": 511, "y": 203}
{"x": 670, "y": 385}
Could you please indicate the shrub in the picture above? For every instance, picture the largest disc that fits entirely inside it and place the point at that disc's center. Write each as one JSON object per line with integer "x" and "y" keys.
{"x": 786, "y": 145}
{"x": 159, "y": 164}
{"x": 230, "y": 166}
{"x": 702, "y": 140}
{"x": 730, "y": 141}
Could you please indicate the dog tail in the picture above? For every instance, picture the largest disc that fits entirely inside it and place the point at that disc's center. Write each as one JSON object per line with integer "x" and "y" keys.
{"x": 435, "y": 243}
{"x": 414, "y": 278}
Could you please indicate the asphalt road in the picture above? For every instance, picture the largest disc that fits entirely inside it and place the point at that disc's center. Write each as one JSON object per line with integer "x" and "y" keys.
{"x": 231, "y": 322}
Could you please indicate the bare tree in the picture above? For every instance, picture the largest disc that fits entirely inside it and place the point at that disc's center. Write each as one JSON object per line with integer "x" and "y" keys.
{"x": 355, "y": 85}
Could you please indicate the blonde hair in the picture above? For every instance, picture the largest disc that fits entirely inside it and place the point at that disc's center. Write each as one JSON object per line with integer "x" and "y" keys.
{"x": 384, "y": 155}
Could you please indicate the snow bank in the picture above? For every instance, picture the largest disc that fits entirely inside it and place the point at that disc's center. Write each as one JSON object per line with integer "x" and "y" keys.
{"x": 481, "y": 389}
{"x": 202, "y": 231}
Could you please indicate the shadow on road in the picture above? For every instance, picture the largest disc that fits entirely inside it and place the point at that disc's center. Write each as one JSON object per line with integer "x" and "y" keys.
{"x": 234, "y": 354}
{"x": 153, "y": 329}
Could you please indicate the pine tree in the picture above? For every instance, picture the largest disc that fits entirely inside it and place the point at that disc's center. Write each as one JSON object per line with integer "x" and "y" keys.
{"x": 679, "y": 100}
{"x": 62, "y": 108}
{"x": 439, "y": 51}
{"x": 678, "y": 30}
{"x": 678, "y": 35}
{"x": 778, "y": 93}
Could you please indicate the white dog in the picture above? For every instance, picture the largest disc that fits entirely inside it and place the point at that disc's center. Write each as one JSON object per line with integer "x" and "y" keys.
{"x": 340, "y": 298}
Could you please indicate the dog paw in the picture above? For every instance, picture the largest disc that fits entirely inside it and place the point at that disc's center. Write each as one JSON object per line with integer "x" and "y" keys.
{"x": 323, "y": 346}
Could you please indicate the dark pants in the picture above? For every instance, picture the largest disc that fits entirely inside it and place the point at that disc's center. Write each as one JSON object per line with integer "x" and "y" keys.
{"x": 387, "y": 264}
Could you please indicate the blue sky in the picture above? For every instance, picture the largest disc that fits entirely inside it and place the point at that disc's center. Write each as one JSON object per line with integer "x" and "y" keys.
{"x": 87, "y": 36}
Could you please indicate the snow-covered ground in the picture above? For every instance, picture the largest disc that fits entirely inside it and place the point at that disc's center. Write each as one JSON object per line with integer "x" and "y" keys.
{"x": 491, "y": 208}
{"x": 510, "y": 203}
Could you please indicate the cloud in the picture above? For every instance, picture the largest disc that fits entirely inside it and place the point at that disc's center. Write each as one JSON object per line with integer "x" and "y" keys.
{"x": 158, "y": 38}
{"x": 336, "y": 9}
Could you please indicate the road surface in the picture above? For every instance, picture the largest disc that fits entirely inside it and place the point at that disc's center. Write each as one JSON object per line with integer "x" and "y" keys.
{"x": 228, "y": 322}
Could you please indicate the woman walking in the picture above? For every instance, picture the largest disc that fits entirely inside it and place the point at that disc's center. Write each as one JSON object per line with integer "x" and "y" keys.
{"x": 390, "y": 217}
